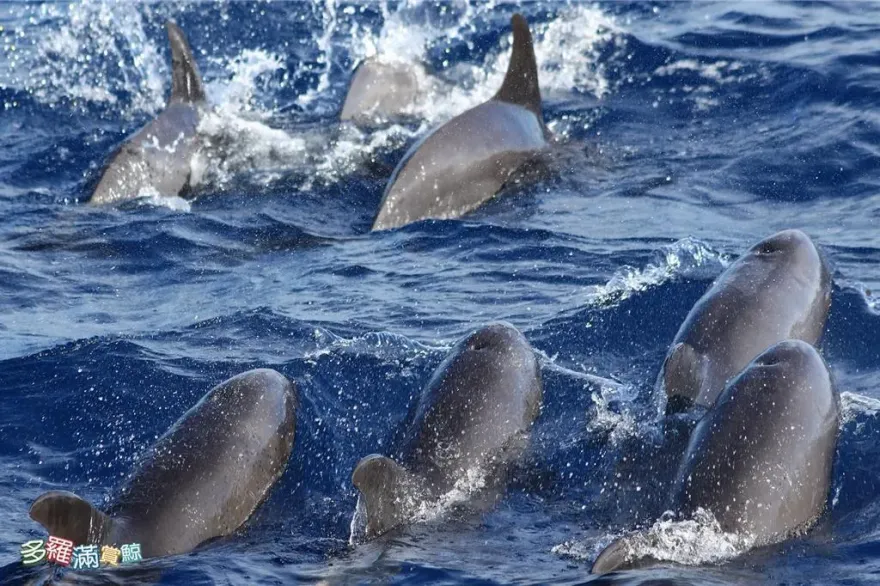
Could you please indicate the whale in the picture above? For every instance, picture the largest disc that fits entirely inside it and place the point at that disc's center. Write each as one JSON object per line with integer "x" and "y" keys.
{"x": 473, "y": 417}
{"x": 465, "y": 162}
{"x": 760, "y": 461}
{"x": 201, "y": 480}
{"x": 382, "y": 90}
{"x": 158, "y": 158}
{"x": 779, "y": 289}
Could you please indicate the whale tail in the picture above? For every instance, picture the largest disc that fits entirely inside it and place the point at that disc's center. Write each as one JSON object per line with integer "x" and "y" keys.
{"x": 186, "y": 83}
{"x": 681, "y": 378}
{"x": 68, "y": 516}
{"x": 389, "y": 493}
{"x": 520, "y": 85}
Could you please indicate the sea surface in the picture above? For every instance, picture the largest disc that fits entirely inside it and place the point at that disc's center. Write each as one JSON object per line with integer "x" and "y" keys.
{"x": 684, "y": 132}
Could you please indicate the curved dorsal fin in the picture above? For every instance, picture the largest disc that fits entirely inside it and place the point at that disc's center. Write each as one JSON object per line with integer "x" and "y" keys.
{"x": 520, "y": 85}
{"x": 186, "y": 83}
{"x": 388, "y": 490}
{"x": 66, "y": 515}
{"x": 682, "y": 377}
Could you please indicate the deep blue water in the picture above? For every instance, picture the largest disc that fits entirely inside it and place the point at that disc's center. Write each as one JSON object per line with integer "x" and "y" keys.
{"x": 685, "y": 131}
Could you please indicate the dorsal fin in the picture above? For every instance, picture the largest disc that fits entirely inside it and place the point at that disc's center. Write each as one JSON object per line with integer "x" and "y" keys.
{"x": 387, "y": 490}
{"x": 66, "y": 515}
{"x": 520, "y": 85}
{"x": 186, "y": 83}
{"x": 682, "y": 378}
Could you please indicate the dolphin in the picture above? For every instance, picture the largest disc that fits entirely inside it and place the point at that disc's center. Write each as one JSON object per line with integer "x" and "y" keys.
{"x": 473, "y": 417}
{"x": 158, "y": 158}
{"x": 465, "y": 162}
{"x": 761, "y": 459}
{"x": 201, "y": 480}
{"x": 381, "y": 90}
{"x": 779, "y": 289}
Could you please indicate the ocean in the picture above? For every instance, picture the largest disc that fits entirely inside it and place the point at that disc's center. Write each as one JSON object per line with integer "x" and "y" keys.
{"x": 684, "y": 132}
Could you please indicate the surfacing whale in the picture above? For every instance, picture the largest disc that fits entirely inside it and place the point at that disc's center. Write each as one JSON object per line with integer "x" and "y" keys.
{"x": 201, "y": 480}
{"x": 465, "y": 162}
{"x": 779, "y": 289}
{"x": 158, "y": 159}
{"x": 472, "y": 418}
{"x": 382, "y": 91}
{"x": 760, "y": 460}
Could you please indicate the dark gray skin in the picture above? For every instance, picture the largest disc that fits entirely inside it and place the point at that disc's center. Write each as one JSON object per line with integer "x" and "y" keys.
{"x": 474, "y": 414}
{"x": 158, "y": 158}
{"x": 779, "y": 289}
{"x": 381, "y": 91}
{"x": 201, "y": 480}
{"x": 465, "y": 162}
{"x": 761, "y": 459}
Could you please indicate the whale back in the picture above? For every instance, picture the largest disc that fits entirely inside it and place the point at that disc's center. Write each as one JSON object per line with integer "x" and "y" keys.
{"x": 472, "y": 418}
{"x": 201, "y": 480}
{"x": 779, "y": 289}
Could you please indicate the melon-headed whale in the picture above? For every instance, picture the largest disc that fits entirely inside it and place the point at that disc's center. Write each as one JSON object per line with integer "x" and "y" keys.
{"x": 472, "y": 418}
{"x": 158, "y": 159}
{"x": 779, "y": 289}
{"x": 760, "y": 460}
{"x": 380, "y": 90}
{"x": 201, "y": 480}
{"x": 465, "y": 162}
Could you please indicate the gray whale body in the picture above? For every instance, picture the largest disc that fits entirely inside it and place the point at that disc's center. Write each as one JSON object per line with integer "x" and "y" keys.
{"x": 158, "y": 158}
{"x": 201, "y": 480}
{"x": 381, "y": 90}
{"x": 465, "y": 162}
{"x": 779, "y": 289}
{"x": 760, "y": 460}
{"x": 474, "y": 414}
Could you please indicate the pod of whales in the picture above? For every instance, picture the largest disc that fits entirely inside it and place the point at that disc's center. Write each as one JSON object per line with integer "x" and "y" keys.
{"x": 466, "y": 161}
{"x": 779, "y": 289}
{"x": 201, "y": 480}
{"x": 473, "y": 416}
{"x": 158, "y": 159}
{"x": 760, "y": 461}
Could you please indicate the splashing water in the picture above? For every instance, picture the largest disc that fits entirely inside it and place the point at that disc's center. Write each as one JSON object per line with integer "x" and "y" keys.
{"x": 240, "y": 134}
{"x": 691, "y": 542}
{"x": 687, "y": 257}
{"x": 417, "y": 509}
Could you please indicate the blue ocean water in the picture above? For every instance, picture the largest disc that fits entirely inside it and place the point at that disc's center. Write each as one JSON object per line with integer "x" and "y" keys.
{"x": 684, "y": 133}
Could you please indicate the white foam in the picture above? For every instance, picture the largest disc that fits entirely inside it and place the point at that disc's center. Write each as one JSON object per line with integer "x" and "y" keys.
{"x": 233, "y": 145}
{"x": 416, "y": 509}
{"x": 101, "y": 51}
{"x": 686, "y": 257}
{"x": 178, "y": 204}
{"x": 690, "y": 542}
{"x": 716, "y": 74}
{"x": 619, "y": 425}
{"x": 60, "y": 64}
{"x": 853, "y": 405}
